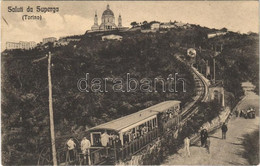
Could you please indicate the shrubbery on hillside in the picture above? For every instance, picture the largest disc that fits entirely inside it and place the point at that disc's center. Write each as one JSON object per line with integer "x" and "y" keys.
{"x": 25, "y": 93}
{"x": 25, "y": 122}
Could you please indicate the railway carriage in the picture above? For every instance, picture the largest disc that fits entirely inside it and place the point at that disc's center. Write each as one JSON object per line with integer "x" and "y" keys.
{"x": 133, "y": 132}
{"x": 136, "y": 130}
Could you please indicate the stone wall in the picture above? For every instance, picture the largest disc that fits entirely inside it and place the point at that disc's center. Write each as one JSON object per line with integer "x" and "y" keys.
{"x": 214, "y": 124}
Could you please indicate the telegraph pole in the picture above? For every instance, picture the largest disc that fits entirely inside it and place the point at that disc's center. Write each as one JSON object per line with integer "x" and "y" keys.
{"x": 54, "y": 158}
{"x": 214, "y": 65}
{"x": 214, "y": 70}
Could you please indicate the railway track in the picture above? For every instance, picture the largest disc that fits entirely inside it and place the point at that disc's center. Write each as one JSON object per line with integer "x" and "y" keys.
{"x": 202, "y": 92}
{"x": 191, "y": 108}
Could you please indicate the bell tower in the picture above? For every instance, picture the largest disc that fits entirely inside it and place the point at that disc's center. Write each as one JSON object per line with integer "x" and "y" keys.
{"x": 95, "y": 27}
{"x": 119, "y": 21}
{"x": 95, "y": 19}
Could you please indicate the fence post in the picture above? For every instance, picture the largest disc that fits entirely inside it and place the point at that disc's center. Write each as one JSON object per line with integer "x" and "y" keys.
{"x": 115, "y": 151}
{"x": 134, "y": 145}
{"x": 89, "y": 159}
{"x": 67, "y": 156}
{"x": 127, "y": 153}
{"x": 141, "y": 142}
{"x": 137, "y": 141}
{"x": 132, "y": 148}
{"x": 123, "y": 153}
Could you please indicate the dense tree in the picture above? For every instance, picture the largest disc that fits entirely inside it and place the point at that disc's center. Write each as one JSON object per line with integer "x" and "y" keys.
{"x": 134, "y": 24}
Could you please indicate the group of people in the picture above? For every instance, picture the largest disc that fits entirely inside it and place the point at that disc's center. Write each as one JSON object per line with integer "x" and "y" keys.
{"x": 204, "y": 138}
{"x": 105, "y": 141}
{"x": 133, "y": 134}
{"x": 169, "y": 114}
{"x": 111, "y": 140}
{"x": 246, "y": 113}
{"x": 84, "y": 147}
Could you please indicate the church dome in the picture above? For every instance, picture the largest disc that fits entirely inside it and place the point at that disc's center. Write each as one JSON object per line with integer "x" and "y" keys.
{"x": 108, "y": 12}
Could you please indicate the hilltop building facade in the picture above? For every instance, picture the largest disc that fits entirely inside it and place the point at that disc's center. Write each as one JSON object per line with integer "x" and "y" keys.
{"x": 155, "y": 26}
{"x": 21, "y": 45}
{"x": 107, "y": 21}
{"x": 217, "y": 33}
{"x": 63, "y": 41}
{"x": 168, "y": 25}
{"x": 48, "y": 39}
{"x": 112, "y": 37}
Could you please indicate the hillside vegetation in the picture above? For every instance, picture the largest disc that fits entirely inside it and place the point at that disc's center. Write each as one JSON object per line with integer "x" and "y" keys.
{"x": 25, "y": 114}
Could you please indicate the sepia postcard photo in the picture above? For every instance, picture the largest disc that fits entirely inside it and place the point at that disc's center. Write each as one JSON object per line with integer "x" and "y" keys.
{"x": 129, "y": 82}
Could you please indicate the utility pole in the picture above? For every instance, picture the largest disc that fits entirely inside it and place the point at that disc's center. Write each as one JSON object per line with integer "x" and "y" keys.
{"x": 214, "y": 66}
{"x": 214, "y": 71}
{"x": 207, "y": 69}
{"x": 54, "y": 158}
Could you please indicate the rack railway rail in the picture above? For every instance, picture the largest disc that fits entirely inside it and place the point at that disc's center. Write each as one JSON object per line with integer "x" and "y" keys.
{"x": 190, "y": 109}
{"x": 202, "y": 93}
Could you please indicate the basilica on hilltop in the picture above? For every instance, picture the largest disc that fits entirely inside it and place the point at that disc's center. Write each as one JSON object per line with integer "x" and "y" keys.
{"x": 107, "y": 21}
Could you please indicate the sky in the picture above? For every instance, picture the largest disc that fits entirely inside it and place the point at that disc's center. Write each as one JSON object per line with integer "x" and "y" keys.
{"x": 75, "y": 17}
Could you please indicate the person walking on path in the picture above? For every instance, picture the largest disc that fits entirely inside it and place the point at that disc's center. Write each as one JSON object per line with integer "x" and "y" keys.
{"x": 187, "y": 145}
{"x": 203, "y": 136}
{"x": 224, "y": 130}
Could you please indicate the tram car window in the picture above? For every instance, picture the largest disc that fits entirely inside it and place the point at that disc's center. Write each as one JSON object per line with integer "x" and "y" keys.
{"x": 139, "y": 123}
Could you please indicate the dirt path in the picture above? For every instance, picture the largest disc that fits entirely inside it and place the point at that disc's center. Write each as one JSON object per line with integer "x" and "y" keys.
{"x": 223, "y": 152}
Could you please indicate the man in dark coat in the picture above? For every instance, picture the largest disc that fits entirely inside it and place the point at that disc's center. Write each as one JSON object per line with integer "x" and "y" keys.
{"x": 224, "y": 130}
{"x": 118, "y": 146}
{"x": 203, "y": 136}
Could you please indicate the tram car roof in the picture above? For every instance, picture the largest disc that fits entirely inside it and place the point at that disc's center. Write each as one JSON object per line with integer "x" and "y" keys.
{"x": 132, "y": 119}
